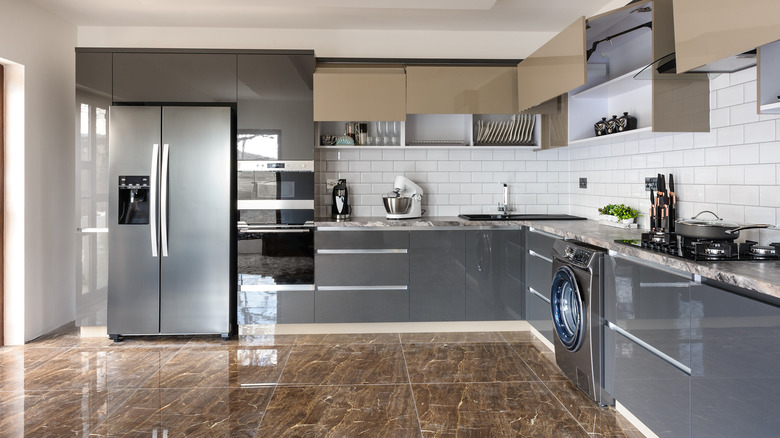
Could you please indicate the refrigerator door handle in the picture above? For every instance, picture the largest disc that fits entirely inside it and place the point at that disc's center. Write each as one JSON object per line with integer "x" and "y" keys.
{"x": 153, "y": 199}
{"x": 164, "y": 202}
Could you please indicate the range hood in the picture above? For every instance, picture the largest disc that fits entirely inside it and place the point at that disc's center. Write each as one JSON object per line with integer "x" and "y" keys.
{"x": 667, "y": 65}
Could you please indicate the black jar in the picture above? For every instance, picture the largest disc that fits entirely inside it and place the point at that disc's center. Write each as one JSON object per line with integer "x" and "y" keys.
{"x": 600, "y": 127}
{"x": 626, "y": 122}
{"x": 612, "y": 125}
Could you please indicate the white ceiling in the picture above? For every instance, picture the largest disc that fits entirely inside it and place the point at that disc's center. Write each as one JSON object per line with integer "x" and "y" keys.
{"x": 447, "y": 15}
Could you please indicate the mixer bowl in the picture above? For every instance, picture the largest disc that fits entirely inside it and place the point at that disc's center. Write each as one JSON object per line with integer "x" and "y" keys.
{"x": 397, "y": 205}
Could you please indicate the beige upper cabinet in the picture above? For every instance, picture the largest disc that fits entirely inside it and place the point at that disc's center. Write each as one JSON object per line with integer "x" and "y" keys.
{"x": 461, "y": 90}
{"x": 359, "y": 93}
{"x": 555, "y": 68}
{"x": 711, "y": 30}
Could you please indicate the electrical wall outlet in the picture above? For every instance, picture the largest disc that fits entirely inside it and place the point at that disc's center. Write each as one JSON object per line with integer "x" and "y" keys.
{"x": 330, "y": 183}
{"x": 583, "y": 183}
{"x": 651, "y": 183}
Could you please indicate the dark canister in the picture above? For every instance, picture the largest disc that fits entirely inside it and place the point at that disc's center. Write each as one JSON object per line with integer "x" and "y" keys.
{"x": 600, "y": 127}
{"x": 612, "y": 125}
{"x": 626, "y": 122}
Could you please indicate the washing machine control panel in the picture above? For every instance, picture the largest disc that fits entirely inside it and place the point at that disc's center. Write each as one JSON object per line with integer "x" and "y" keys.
{"x": 577, "y": 256}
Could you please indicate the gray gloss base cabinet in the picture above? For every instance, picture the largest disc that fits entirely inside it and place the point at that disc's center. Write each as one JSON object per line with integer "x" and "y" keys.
{"x": 653, "y": 306}
{"x": 494, "y": 275}
{"x": 276, "y": 307}
{"x": 361, "y": 276}
{"x": 437, "y": 273}
{"x": 736, "y": 364}
{"x": 538, "y": 270}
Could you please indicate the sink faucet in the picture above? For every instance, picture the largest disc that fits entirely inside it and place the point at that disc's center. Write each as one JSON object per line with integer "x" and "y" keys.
{"x": 504, "y": 206}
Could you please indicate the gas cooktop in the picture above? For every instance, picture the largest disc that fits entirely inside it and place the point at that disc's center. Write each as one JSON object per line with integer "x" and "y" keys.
{"x": 705, "y": 250}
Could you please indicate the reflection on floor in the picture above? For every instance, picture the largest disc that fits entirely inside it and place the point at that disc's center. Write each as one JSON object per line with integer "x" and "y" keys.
{"x": 383, "y": 385}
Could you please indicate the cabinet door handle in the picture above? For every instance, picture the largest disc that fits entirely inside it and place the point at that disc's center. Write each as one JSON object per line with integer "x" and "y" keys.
{"x": 537, "y": 255}
{"x": 654, "y": 351}
{"x": 362, "y": 251}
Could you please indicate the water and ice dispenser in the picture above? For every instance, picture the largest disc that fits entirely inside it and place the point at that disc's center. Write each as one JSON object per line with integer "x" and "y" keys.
{"x": 133, "y": 200}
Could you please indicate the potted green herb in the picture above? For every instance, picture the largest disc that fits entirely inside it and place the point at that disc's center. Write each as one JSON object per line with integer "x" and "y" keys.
{"x": 618, "y": 213}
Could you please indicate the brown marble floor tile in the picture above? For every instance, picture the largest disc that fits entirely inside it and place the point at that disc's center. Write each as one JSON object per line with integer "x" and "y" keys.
{"x": 153, "y": 341}
{"x": 521, "y": 409}
{"x": 593, "y": 418}
{"x": 541, "y": 362}
{"x": 190, "y": 368}
{"x": 266, "y": 339}
{"x": 257, "y": 365}
{"x": 345, "y": 364}
{"x": 348, "y": 338}
{"x": 448, "y": 363}
{"x": 517, "y": 336}
{"x": 452, "y": 337}
{"x": 77, "y": 368}
{"x": 51, "y": 413}
{"x": 341, "y": 411}
{"x": 201, "y": 412}
{"x": 16, "y": 362}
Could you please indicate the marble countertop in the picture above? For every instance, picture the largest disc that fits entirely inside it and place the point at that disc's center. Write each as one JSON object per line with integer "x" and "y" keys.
{"x": 763, "y": 277}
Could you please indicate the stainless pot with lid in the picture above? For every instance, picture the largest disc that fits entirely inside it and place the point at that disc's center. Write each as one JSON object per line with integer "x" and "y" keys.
{"x": 711, "y": 229}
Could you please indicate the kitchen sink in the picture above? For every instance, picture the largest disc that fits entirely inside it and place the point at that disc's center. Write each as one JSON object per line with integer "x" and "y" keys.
{"x": 519, "y": 217}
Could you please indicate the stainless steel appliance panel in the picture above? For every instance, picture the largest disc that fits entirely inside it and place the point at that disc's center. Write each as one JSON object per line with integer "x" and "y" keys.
{"x": 195, "y": 279}
{"x": 133, "y": 257}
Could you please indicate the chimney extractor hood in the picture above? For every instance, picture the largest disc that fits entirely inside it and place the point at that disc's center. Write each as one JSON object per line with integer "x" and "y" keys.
{"x": 667, "y": 66}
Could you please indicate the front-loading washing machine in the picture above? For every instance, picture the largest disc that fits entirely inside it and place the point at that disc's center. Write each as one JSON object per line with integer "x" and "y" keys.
{"x": 576, "y": 305}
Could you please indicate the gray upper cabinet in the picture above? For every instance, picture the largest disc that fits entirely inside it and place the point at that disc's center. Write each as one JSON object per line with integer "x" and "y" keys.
{"x": 437, "y": 275}
{"x": 174, "y": 77}
{"x": 275, "y": 100}
{"x": 735, "y": 357}
{"x": 494, "y": 275}
{"x": 93, "y": 74}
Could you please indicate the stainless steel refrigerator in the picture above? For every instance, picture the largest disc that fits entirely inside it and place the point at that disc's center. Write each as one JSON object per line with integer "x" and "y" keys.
{"x": 169, "y": 221}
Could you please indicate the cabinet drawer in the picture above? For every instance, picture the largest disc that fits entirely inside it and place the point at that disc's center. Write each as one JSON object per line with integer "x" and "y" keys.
{"x": 361, "y": 305}
{"x": 361, "y": 240}
{"x": 656, "y": 392}
{"x": 363, "y": 269}
{"x": 541, "y": 243}
{"x": 276, "y": 307}
{"x": 539, "y": 275}
{"x": 540, "y": 316}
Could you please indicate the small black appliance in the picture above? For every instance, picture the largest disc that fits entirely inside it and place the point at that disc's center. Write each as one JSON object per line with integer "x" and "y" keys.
{"x": 340, "y": 207}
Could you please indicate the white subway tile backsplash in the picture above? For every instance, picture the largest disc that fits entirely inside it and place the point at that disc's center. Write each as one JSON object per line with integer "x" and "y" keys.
{"x": 761, "y": 215}
{"x": 731, "y": 96}
{"x": 720, "y": 118}
{"x": 729, "y": 175}
{"x": 745, "y": 195}
{"x": 415, "y": 154}
{"x": 730, "y": 135}
{"x": 705, "y": 175}
{"x": 449, "y": 166}
{"x": 743, "y": 76}
{"x": 717, "y": 156}
{"x": 760, "y": 131}
{"x": 769, "y": 152}
{"x": 744, "y": 154}
{"x": 769, "y": 196}
{"x": 392, "y": 154}
{"x": 745, "y": 113}
{"x": 717, "y": 194}
{"x": 762, "y": 174}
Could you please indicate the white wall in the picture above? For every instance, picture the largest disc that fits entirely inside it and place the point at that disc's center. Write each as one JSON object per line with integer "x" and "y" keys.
{"x": 44, "y": 45}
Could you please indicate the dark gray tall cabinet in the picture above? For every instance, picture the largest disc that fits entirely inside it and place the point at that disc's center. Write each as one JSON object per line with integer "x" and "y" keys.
{"x": 494, "y": 275}
{"x": 437, "y": 273}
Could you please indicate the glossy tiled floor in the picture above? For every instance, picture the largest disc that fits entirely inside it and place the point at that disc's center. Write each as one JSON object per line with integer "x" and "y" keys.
{"x": 384, "y": 385}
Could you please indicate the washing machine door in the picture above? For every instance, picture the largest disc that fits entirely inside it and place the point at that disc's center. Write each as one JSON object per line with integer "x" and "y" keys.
{"x": 567, "y": 309}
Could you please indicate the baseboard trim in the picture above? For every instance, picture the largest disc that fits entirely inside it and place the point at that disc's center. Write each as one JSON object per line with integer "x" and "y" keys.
{"x": 636, "y": 422}
{"x": 384, "y": 327}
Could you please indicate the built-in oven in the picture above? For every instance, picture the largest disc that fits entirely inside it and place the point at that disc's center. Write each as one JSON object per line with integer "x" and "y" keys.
{"x": 275, "y": 235}
{"x": 276, "y": 192}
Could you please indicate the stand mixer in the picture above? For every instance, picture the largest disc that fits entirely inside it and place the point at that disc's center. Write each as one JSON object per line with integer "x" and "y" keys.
{"x": 406, "y": 200}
